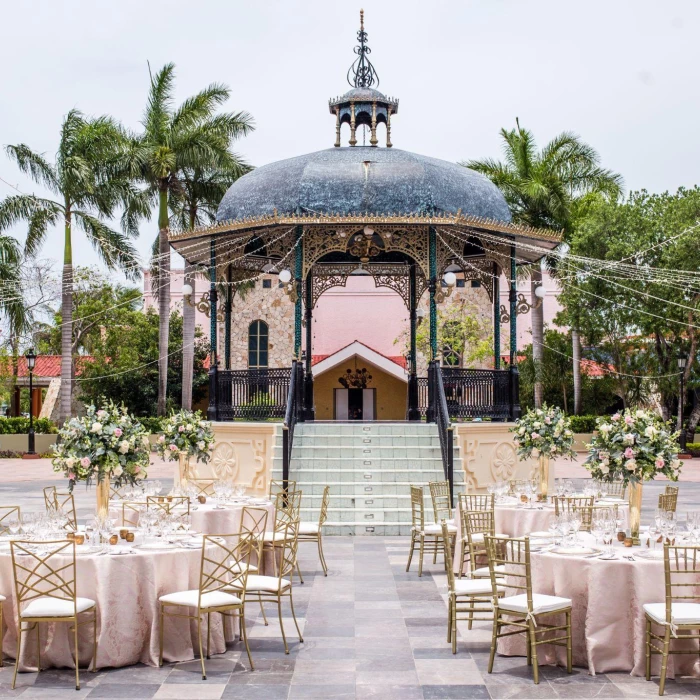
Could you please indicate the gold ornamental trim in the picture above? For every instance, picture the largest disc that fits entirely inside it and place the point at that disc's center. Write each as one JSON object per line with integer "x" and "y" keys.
{"x": 363, "y": 219}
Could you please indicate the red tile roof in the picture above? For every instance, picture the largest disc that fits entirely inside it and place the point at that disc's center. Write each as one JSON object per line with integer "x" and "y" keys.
{"x": 48, "y": 365}
{"x": 400, "y": 360}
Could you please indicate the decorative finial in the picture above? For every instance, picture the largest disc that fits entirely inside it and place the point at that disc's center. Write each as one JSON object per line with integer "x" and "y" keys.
{"x": 362, "y": 70}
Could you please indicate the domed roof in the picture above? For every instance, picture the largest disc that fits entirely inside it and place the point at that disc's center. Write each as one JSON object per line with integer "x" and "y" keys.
{"x": 362, "y": 179}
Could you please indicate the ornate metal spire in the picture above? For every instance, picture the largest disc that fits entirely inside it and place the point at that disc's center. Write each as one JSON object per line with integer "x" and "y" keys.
{"x": 362, "y": 73}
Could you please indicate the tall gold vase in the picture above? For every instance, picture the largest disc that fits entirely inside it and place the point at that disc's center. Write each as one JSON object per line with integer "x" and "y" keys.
{"x": 103, "y": 497}
{"x": 635, "y": 500}
{"x": 544, "y": 476}
{"x": 183, "y": 470}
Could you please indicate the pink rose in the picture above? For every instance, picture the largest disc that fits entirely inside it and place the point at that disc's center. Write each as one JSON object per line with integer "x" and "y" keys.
{"x": 118, "y": 432}
{"x": 629, "y": 453}
{"x": 660, "y": 463}
{"x": 71, "y": 476}
{"x": 548, "y": 420}
{"x": 173, "y": 448}
{"x": 161, "y": 438}
{"x": 535, "y": 436}
{"x": 615, "y": 417}
{"x": 629, "y": 420}
{"x": 181, "y": 429}
{"x": 85, "y": 462}
{"x": 137, "y": 469}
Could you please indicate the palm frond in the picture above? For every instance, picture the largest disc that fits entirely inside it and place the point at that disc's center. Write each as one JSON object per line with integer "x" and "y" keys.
{"x": 157, "y": 117}
{"x": 38, "y": 212}
{"x": 34, "y": 165}
{"x": 199, "y": 107}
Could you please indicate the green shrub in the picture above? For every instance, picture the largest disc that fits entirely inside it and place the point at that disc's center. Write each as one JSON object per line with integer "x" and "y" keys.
{"x": 693, "y": 448}
{"x": 154, "y": 424}
{"x": 583, "y": 424}
{"x": 19, "y": 425}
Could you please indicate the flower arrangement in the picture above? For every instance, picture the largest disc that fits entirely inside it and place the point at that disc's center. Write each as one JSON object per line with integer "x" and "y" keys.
{"x": 633, "y": 446}
{"x": 544, "y": 431}
{"x": 185, "y": 431}
{"x": 105, "y": 443}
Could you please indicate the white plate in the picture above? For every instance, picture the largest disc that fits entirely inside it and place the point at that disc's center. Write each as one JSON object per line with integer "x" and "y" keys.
{"x": 649, "y": 553}
{"x": 120, "y": 552}
{"x": 541, "y": 535}
{"x": 580, "y": 551}
{"x": 155, "y": 546}
{"x": 611, "y": 500}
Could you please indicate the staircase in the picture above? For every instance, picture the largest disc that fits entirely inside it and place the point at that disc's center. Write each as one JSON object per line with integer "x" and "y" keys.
{"x": 369, "y": 467}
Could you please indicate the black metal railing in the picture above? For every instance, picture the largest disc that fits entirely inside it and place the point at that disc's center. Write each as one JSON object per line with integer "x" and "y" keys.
{"x": 439, "y": 410}
{"x": 250, "y": 394}
{"x": 471, "y": 393}
{"x": 293, "y": 413}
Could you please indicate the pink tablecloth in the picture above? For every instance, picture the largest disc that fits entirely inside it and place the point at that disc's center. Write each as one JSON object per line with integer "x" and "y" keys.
{"x": 216, "y": 521}
{"x": 608, "y": 625}
{"x": 126, "y": 589}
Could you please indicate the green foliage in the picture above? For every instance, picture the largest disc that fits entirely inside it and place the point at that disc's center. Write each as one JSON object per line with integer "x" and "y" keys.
{"x": 556, "y": 374}
{"x": 125, "y": 365}
{"x": 154, "y": 424}
{"x": 583, "y": 424}
{"x": 20, "y": 425}
{"x": 693, "y": 448}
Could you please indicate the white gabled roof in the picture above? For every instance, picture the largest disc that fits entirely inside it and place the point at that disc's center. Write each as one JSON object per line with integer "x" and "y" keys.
{"x": 366, "y": 353}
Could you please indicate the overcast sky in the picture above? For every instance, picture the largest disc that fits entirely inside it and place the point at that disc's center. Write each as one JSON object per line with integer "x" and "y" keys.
{"x": 623, "y": 74}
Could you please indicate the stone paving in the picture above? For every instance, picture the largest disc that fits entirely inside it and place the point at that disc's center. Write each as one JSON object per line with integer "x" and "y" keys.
{"x": 370, "y": 629}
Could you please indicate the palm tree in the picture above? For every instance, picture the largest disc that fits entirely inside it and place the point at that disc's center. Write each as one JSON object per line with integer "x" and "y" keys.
{"x": 173, "y": 140}
{"x": 87, "y": 188}
{"x": 542, "y": 189}
{"x": 196, "y": 202}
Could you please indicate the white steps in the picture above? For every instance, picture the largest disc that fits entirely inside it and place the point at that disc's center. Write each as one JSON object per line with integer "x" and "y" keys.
{"x": 370, "y": 468}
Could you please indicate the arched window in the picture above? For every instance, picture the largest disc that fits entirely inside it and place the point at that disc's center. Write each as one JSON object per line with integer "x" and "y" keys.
{"x": 257, "y": 344}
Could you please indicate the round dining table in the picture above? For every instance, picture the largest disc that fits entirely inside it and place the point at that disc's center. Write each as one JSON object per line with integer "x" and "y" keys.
{"x": 126, "y": 583}
{"x": 608, "y": 622}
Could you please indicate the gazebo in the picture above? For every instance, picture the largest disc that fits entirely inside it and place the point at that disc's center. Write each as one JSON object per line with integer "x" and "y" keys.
{"x": 408, "y": 220}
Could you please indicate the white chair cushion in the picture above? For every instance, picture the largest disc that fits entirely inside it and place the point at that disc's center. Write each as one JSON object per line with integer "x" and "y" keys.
{"x": 540, "y": 603}
{"x": 213, "y": 599}
{"x": 308, "y": 528}
{"x": 273, "y": 537}
{"x": 473, "y": 586}
{"x": 242, "y": 566}
{"x": 55, "y": 607}
{"x": 263, "y": 583}
{"x": 484, "y": 572}
{"x": 2, "y": 599}
{"x": 681, "y": 613}
{"x": 434, "y": 529}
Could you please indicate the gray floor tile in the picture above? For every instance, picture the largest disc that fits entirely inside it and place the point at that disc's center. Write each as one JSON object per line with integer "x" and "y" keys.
{"x": 447, "y": 692}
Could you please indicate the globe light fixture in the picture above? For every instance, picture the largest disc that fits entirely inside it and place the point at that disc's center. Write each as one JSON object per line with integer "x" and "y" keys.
{"x": 285, "y": 276}
{"x": 540, "y": 292}
{"x": 450, "y": 279}
{"x": 187, "y": 290}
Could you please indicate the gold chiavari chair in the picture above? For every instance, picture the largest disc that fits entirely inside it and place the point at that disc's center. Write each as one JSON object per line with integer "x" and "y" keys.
{"x": 8, "y": 514}
{"x": 582, "y": 504}
{"x": 50, "y": 498}
{"x": 520, "y": 607}
{"x": 223, "y": 577}
{"x": 465, "y": 596}
{"x": 440, "y": 496}
{"x": 58, "y": 501}
{"x": 168, "y": 504}
{"x": 668, "y": 502}
{"x": 612, "y": 510}
{"x": 476, "y": 526}
{"x": 117, "y": 492}
{"x": 131, "y": 512}
{"x": 45, "y": 591}
{"x": 204, "y": 487}
{"x": 253, "y": 528}
{"x": 278, "y": 487}
{"x": 676, "y": 615}
{"x": 313, "y": 532}
{"x": 671, "y": 490}
{"x": 278, "y": 587}
{"x": 616, "y": 489}
{"x": 424, "y": 537}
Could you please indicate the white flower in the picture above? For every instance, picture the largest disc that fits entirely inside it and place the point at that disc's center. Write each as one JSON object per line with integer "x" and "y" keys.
{"x": 605, "y": 428}
{"x": 117, "y": 471}
{"x": 124, "y": 446}
{"x": 201, "y": 445}
{"x": 521, "y": 431}
{"x": 188, "y": 426}
{"x": 70, "y": 462}
{"x": 650, "y": 431}
{"x": 96, "y": 428}
{"x": 567, "y": 433}
{"x": 640, "y": 414}
{"x": 605, "y": 468}
{"x": 628, "y": 439}
{"x": 537, "y": 425}
{"x": 631, "y": 465}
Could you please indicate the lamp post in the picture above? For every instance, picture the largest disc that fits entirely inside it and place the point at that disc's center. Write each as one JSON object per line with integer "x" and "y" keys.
{"x": 31, "y": 361}
{"x": 681, "y": 366}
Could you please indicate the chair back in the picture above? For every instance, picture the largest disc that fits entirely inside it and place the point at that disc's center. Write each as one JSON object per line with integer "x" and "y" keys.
{"x": 567, "y": 504}
{"x": 168, "y": 504}
{"x": 278, "y": 487}
{"x": 616, "y": 489}
{"x": 449, "y": 564}
{"x": 253, "y": 527}
{"x": 131, "y": 512}
{"x": 512, "y": 553}
{"x": 50, "y": 498}
{"x": 7, "y": 515}
{"x": 671, "y": 490}
{"x": 325, "y": 500}
{"x": 417, "y": 508}
{"x": 681, "y": 574}
{"x": 43, "y": 569}
{"x": 58, "y": 501}
{"x": 476, "y": 501}
{"x": 668, "y": 502}
{"x": 440, "y": 496}
{"x": 117, "y": 492}
{"x": 223, "y": 564}
{"x": 287, "y": 508}
{"x": 600, "y": 510}
{"x": 203, "y": 487}
{"x": 477, "y": 522}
